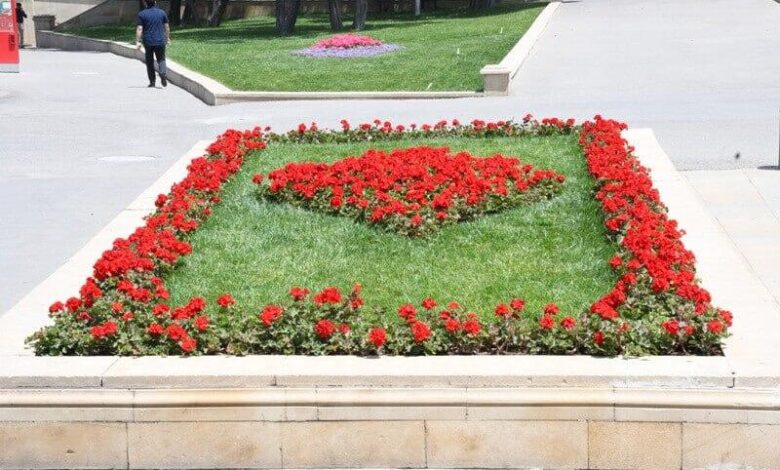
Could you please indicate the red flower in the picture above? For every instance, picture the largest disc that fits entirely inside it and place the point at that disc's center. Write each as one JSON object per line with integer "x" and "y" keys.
{"x": 202, "y": 323}
{"x": 502, "y": 310}
{"x": 471, "y": 326}
{"x": 671, "y": 326}
{"x": 598, "y": 338}
{"x": 568, "y": 323}
{"x": 451, "y": 325}
{"x": 551, "y": 309}
{"x": 547, "y": 322}
{"x": 155, "y": 329}
{"x": 329, "y": 295}
{"x": 106, "y": 329}
{"x": 453, "y": 306}
{"x": 325, "y": 329}
{"x": 726, "y": 316}
{"x": 517, "y": 304}
{"x": 420, "y": 331}
{"x": 188, "y": 344}
{"x": 56, "y": 307}
{"x": 73, "y": 304}
{"x": 257, "y": 178}
{"x": 377, "y": 337}
{"x": 127, "y": 316}
{"x": 175, "y": 331}
{"x": 418, "y": 184}
{"x": 407, "y": 312}
{"x": 298, "y": 293}
{"x": 160, "y": 309}
{"x": 270, "y": 314}
{"x": 715, "y": 327}
{"x": 226, "y": 300}
{"x": 429, "y": 304}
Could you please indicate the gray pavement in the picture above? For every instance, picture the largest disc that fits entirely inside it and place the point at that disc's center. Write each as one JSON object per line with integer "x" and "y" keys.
{"x": 702, "y": 73}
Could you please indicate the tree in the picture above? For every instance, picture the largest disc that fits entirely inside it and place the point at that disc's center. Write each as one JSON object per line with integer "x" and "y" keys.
{"x": 334, "y": 13}
{"x": 174, "y": 13}
{"x": 190, "y": 16}
{"x": 361, "y": 11}
{"x": 481, "y": 4}
{"x": 286, "y": 15}
{"x": 218, "y": 8}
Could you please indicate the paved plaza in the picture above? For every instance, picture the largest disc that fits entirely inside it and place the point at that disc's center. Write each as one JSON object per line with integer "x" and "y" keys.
{"x": 82, "y": 135}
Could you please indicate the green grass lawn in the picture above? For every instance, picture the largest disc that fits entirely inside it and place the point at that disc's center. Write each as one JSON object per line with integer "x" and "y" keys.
{"x": 551, "y": 251}
{"x": 443, "y": 50}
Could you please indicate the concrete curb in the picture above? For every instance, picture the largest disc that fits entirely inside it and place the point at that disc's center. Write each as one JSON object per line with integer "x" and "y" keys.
{"x": 497, "y": 78}
{"x": 214, "y": 93}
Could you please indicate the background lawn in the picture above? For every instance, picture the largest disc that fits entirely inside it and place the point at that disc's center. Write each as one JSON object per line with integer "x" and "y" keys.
{"x": 444, "y": 50}
{"x": 551, "y": 251}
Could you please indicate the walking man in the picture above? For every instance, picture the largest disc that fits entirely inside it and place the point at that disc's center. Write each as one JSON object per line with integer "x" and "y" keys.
{"x": 153, "y": 32}
{"x": 20, "y": 16}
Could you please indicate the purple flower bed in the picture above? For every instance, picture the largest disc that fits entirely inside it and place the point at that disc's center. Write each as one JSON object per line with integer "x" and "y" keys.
{"x": 361, "y": 51}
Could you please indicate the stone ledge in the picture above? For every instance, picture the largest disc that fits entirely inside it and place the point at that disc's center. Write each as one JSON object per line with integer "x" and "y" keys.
{"x": 397, "y": 404}
{"x": 346, "y": 371}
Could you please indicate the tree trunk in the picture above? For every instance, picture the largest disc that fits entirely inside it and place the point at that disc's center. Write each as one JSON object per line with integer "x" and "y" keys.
{"x": 361, "y": 11}
{"x": 218, "y": 8}
{"x": 481, "y": 4}
{"x": 174, "y": 13}
{"x": 191, "y": 16}
{"x": 334, "y": 12}
{"x": 286, "y": 16}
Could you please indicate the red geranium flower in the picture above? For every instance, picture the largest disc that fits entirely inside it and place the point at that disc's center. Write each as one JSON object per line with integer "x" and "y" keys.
{"x": 325, "y": 329}
{"x": 329, "y": 295}
{"x": 270, "y": 314}
{"x": 420, "y": 331}
{"x": 226, "y": 300}
{"x": 377, "y": 337}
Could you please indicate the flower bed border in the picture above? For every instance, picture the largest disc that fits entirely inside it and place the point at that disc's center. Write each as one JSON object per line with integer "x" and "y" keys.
{"x": 651, "y": 253}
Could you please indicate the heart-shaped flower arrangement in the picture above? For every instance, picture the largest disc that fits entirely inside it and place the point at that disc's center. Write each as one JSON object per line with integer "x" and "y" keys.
{"x": 412, "y": 191}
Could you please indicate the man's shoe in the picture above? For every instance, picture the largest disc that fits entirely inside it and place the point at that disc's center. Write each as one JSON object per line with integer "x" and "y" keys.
{"x": 164, "y": 80}
{"x": 151, "y": 85}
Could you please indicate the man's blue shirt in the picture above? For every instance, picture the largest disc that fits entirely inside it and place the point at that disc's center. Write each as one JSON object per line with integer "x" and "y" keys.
{"x": 152, "y": 20}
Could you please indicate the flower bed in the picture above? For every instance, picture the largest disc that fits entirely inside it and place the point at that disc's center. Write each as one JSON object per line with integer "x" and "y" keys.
{"x": 655, "y": 307}
{"x": 347, "y": 45}
{"x": 412, "y": 191}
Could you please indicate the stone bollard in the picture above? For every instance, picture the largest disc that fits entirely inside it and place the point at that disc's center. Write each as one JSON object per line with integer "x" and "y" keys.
{"x": 496, "y": 79}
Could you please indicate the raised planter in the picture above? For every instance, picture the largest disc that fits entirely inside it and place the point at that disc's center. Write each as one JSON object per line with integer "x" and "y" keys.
{"x": 214, "y": 93}
{"x": 496, "y": 77}
{"x": 419, "y": 412}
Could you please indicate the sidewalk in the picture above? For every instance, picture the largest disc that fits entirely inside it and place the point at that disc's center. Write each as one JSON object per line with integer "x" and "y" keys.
{"x": 746, "y": 203}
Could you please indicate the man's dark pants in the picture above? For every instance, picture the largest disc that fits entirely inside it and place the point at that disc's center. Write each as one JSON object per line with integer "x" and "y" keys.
{"x": 153, "y": 52}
